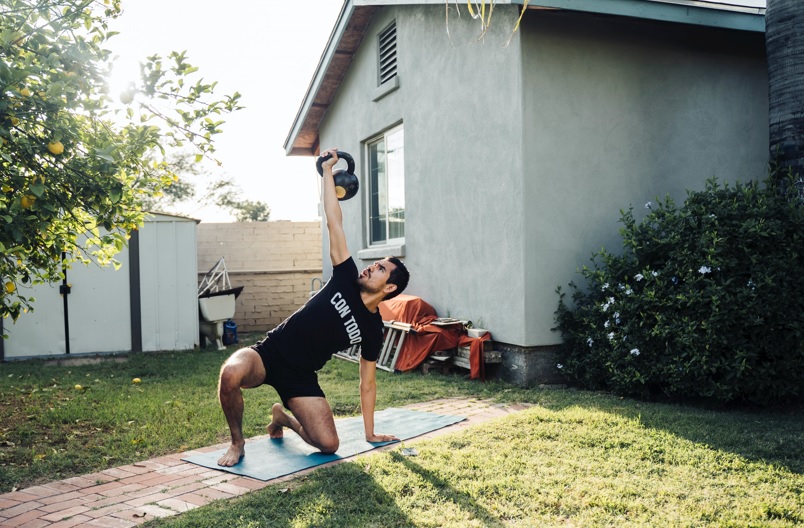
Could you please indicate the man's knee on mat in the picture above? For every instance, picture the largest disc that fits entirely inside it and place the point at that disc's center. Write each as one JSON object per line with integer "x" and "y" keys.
{"x": 328, "y": 445}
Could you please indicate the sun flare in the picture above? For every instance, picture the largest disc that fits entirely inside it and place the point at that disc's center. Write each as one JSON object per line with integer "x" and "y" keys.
{"x": 123, "y": 77}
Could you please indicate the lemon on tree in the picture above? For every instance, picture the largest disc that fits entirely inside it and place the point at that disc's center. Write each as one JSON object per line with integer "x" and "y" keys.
{"x": 55, "y": 147}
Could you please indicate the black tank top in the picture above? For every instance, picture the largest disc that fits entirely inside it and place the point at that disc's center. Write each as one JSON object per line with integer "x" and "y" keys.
{"x": 332, "y": 320}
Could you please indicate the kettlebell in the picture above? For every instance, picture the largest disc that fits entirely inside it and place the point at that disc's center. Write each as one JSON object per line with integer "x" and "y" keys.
{"x": 346, "y": 183}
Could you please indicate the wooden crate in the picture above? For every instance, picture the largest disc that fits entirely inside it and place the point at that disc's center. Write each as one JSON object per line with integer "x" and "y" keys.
{"x": 439, "y": 360}
{"x": 461, "y": 357}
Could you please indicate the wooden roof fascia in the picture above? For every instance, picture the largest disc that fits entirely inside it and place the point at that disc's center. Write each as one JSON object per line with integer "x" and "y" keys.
{"x": 345, "y": 39}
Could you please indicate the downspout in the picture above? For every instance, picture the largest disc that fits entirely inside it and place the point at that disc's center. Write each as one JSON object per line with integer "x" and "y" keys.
{"x": 64, "y": 290}
{"x": 134, "y": 290}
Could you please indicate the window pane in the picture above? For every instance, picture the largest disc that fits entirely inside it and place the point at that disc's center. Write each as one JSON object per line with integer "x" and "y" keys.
{"x": 396, "y": 184}
{"x": 387, "y": 187}
{"x": 377, "y": 211}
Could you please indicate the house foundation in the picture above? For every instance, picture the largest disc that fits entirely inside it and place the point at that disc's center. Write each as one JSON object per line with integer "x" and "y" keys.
{"x": 528, "y": 366}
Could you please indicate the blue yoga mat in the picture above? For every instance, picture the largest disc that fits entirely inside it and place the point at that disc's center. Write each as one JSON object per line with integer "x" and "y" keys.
{"x": 267, "y": 458}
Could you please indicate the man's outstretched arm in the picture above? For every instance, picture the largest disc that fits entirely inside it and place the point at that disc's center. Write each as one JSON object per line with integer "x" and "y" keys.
{"x": 338, "y": 250}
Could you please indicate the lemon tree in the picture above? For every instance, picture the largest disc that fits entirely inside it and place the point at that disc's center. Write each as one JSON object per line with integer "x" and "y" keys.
{"x": 75, "y": 164}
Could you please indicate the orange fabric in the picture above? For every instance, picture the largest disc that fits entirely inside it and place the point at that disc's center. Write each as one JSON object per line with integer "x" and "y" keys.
{"x": 426, "y": 338}
{"x": 407, "y": 309}
{"x": 475, "y": 344}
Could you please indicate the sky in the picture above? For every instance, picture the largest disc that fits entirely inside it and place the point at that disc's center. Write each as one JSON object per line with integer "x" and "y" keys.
{"x": 266, "y": 50}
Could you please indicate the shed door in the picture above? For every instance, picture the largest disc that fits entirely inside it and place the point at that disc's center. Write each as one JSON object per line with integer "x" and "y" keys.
{"x": 99, "y": 312}
{"x": 41, "y": 332}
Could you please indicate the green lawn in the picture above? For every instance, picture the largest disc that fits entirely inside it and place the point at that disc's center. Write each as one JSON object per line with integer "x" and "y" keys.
{"x": 574, "y": 459}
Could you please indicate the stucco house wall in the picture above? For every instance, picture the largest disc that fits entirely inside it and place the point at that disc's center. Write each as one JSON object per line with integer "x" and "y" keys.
{"x": 519, "y": 157}
{"x": 463, "y": 177}
{"x": 620, "y": 111}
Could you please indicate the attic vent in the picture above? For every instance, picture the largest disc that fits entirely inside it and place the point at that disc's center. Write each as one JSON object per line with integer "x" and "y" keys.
{"x": 387, "y": 42}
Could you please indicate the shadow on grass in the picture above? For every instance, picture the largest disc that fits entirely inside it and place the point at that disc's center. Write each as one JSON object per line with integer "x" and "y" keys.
{"x": 447, "y": 493}
{"x": 331, "y": 497}
{"x": 771, "y": 436}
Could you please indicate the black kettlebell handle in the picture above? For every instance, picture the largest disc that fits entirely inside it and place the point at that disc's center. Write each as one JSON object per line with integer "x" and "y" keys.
{"x": 350, "y": 162}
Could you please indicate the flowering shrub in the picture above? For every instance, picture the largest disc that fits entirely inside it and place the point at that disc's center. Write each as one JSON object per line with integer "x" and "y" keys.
{"x": 706, "y": 301}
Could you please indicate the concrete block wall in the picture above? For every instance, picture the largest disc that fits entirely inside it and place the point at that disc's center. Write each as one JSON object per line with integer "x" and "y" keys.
{"x": 275, "y": 262}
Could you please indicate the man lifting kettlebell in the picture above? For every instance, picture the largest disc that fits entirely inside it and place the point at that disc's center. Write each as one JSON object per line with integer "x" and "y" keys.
{"x": 343, "y": 313}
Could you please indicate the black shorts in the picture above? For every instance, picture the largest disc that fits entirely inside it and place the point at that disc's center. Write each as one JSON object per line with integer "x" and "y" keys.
{"x": 288, "y": 382}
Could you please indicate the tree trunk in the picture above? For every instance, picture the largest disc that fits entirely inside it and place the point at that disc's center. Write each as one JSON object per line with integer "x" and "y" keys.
{"x": 784, "y": 43}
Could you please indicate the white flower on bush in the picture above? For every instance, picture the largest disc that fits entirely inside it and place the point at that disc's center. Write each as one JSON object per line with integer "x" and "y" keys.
{"x": 611, "y": 336}
{"x": 590, "y": 342}
{"x": 634, "y": 351}
{"x": 604, "y": 287}
{"x": 648, "y": 205}
{"x": 559, "y": 366}
{"x": 608, "y": 304}
{"x": 639, "y": 277}
{"x": 703, "y": 270}
{"x": 617, "y": 316}
{"x": 654, "y": 273}
{"x": 629, "y": 291}
{"x": 606, "y": 324}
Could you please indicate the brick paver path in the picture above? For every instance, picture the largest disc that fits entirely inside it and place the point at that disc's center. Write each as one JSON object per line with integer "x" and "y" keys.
{"x": 130, "y": 495}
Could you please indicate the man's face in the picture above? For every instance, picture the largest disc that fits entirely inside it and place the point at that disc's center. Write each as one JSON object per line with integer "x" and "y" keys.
{"x": 375, "y": 277}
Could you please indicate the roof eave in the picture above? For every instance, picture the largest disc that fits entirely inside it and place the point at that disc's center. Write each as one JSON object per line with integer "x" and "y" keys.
{"x": 695, "y": 12}
{"x": 338, "y": 53}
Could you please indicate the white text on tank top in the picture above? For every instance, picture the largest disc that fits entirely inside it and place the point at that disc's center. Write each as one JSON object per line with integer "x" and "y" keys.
{"x": 350, "y": 325}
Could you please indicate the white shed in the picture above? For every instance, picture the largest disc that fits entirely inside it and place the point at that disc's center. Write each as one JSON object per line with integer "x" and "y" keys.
{"x": 149, "y": 304}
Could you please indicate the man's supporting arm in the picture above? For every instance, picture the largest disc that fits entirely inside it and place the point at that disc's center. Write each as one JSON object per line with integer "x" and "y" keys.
{"x": 368, "y": 398}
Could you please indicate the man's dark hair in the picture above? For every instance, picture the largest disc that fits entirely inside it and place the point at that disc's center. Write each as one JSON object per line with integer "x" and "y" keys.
{"x": 399, "y": 276}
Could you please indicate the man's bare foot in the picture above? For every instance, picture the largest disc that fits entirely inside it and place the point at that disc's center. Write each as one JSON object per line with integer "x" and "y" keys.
{"x": 232, "y": 456}
{"x": 279, "y": 421}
